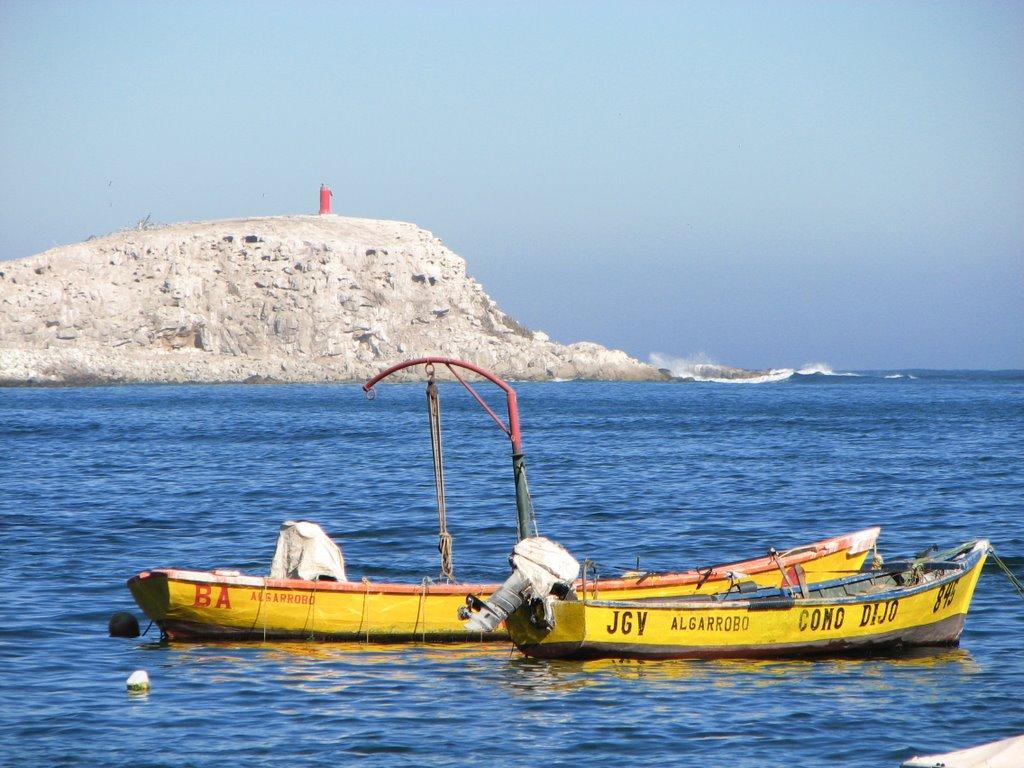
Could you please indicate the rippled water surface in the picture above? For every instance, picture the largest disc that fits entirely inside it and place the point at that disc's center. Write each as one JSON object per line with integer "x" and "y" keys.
{"x": 99, "y": 483}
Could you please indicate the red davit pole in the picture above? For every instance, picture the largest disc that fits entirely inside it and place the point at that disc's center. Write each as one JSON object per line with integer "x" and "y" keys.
{"x": 325, "y": 198}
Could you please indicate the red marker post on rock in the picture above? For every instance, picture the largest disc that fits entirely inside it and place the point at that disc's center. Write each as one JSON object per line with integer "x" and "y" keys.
{"x": 325, "y": 198}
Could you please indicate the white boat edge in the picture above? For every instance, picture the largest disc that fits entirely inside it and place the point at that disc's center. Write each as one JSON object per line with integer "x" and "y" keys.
{"x": 1005, "y": 753}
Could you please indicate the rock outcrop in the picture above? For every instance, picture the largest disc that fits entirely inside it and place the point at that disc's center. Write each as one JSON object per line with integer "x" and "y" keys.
{"x": 290, "y": 298}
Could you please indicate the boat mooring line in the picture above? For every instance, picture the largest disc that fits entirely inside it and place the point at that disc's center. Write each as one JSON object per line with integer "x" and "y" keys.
{"x": 420, "y": 612}
{"x": 259, "y": 610}
{"x": 263, "y": 610}
{"x": 362, "y": 615}
{"x": 589, "y": 565}
{"x": 311, "y": 612}
{"x": 1006, "y": 570}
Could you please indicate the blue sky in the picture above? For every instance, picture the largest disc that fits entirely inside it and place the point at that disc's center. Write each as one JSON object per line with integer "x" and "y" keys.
{"x": 770, "y": 184}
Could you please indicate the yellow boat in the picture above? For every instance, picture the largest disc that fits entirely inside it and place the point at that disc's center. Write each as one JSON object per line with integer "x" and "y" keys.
{"x": 224, "y": 604}
{"x": 922, "y": 602}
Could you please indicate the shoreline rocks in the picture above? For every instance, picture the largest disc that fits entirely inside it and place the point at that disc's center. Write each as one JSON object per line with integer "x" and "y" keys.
{"x": 270, "y": 299}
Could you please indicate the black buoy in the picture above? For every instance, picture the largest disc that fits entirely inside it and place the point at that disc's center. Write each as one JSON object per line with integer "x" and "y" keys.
{"x": 123, "y": 624}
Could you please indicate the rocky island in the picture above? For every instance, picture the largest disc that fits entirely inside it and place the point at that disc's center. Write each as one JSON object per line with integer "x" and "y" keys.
{"x": 286, "y": 298}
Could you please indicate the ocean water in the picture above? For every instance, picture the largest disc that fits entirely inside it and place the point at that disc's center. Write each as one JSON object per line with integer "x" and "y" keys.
{"x": 97, "y": 484}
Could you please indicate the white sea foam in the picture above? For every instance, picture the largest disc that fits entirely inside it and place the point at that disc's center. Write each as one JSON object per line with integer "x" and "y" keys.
{"x": 700, "y": 367}
{"x": 772, "y": 374}
{"x": 823, "y": 369}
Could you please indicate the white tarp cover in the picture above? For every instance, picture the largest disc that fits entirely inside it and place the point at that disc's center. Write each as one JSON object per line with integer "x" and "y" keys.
{"x": 304, "y": 551}
{"x": 1008, "y": 753}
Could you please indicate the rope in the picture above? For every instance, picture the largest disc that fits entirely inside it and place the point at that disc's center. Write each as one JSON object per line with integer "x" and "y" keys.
{"x": 259, "y": 608}
{"x": 262, "y": 608}
{"x": 588, "y": 566}
{"x": 444, "y": 539}
{"x": 420, "y": 612}
{"x": 1009, "y": 574}
{"x": 311, "y": 612}
{"x": 444, "y": 546}
{"x": 362, "y": 615}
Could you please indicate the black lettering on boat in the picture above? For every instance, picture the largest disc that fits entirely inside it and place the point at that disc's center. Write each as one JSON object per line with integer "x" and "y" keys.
{"x": 615, "y": 623}
{"x": 826, "y": 618}
{"x": 641, "y": 622}
{"x": 865, "y": 616}
{"x": 893, "y": 607}
{"x": 627, "y": 622}
{"x": 944, "y": 597}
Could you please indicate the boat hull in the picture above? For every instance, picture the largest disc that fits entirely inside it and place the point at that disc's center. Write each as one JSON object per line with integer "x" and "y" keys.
{"x": 200, "y": 605}
{"x": 931, "y": 614}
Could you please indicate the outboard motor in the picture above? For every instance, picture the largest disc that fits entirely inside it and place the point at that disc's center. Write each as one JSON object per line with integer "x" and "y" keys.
{"x": 540, "y": 567}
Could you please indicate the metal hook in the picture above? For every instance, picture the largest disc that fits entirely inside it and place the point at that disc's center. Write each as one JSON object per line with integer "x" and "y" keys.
{"x": 429, "y": 367}
{"x": 371, "y": 394}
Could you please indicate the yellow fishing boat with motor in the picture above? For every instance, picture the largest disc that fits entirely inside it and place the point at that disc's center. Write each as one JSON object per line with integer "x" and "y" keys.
{"x": 228, "y": 605}
{"x": 309, "y": 596}
{"x": 919, "y": 602}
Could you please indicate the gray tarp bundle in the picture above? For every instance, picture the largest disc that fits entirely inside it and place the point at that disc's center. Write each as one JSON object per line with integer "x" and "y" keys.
{"x": 304, "y": 551}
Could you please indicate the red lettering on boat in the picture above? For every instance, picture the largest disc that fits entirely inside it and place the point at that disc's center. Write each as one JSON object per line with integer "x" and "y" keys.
{"x": 223, "y": 601}
{"x": 202, "y": 596}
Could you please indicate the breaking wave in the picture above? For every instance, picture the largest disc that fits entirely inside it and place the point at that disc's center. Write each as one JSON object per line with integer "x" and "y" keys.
{"x": 702, "y": 368}
{"x": 822, "y": 369}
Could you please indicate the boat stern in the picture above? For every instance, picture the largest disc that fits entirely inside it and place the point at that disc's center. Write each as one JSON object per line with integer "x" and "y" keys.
{"x": 152, "y": 594}
{"x": 562, "y": 641}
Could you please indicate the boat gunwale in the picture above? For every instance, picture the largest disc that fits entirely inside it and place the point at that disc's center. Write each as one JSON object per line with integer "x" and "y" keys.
{"x": 970, "y": 552}
{"x": 800, "y": 554}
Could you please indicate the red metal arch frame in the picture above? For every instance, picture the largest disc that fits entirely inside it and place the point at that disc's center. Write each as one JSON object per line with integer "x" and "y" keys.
{"x": 524, "y": 505}
{"x": 511, "y": 430}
